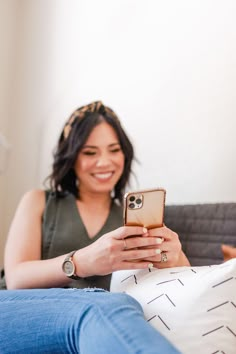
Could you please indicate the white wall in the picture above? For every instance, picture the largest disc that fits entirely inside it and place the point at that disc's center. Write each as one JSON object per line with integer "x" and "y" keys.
{"x": 7, "y": 29}
{"x": 166, "y": 67}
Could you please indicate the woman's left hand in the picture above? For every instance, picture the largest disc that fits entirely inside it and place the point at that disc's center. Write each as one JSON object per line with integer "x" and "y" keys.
{"x": 171, "y": 254}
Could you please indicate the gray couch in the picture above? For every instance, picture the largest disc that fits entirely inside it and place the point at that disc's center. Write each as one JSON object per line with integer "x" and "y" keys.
{"x": 202, "y": 228}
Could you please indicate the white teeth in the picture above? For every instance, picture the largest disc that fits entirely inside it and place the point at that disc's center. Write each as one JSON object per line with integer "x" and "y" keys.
{"x": 103, "y": 175}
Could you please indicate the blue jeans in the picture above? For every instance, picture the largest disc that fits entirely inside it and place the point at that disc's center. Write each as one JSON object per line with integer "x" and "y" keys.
{"x": 84, "y": 321}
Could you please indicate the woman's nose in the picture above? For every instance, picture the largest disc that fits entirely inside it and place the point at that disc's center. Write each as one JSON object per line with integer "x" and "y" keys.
{"x": 103, "y": 160}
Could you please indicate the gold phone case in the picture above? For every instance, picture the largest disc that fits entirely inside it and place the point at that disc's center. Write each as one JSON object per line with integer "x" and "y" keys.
{"x": 144, "y": 208}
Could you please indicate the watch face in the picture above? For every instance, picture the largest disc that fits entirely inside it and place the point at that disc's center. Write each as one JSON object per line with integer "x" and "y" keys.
{"x": 68, "y": 268}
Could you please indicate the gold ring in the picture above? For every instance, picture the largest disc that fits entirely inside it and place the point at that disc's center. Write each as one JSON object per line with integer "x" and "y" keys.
{"x": 125, "y": 245}
{"x": 164, "y": 257}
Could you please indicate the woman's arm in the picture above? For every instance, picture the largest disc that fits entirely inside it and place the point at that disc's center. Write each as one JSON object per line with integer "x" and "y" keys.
{"x": 23, "y": 266}
{"x": 25, "y": 269}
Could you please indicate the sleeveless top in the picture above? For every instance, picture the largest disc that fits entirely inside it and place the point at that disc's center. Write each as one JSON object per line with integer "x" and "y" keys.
{"x": 63, "y": 231}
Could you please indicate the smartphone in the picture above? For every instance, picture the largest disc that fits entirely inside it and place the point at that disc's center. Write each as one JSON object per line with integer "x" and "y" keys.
{"x": 144, "y": 208}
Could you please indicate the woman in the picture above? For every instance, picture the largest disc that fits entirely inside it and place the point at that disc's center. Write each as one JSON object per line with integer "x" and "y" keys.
{"x": 72, "y": 236}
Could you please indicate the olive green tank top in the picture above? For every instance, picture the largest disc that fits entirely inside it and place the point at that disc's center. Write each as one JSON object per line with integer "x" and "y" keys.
{"x": 63, "y": 231}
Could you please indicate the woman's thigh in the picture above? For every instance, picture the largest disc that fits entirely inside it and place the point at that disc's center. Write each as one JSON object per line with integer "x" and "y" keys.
{"x": 84, "y": 321}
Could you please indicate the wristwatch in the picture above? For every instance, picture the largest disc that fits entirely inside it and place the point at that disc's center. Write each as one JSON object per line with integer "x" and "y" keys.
{"x": 68, "y": 266}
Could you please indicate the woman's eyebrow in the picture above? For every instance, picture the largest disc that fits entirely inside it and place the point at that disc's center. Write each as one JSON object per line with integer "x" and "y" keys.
{"x": 89, "y": 146}
{"x": 96, "y": 147}
{"x": 113, "y": 144}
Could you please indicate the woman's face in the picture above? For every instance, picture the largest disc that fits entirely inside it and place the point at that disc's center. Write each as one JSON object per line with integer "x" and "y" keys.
{"x": 100, "y": 163}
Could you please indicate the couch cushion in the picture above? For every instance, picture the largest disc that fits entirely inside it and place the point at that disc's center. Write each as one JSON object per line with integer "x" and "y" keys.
{"x": 202, "y": 228}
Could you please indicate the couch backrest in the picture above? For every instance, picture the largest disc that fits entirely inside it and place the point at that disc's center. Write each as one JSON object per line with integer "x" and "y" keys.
{"x": 202, "y": 228}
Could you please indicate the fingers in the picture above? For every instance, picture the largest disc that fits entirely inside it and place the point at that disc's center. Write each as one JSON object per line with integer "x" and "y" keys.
{"x": 163, "y": 257}
{"x": 135, "y": 265}
{"x": 162, "y": 265}
{"x": 139, "y": 254}
{"x": 163, "y": 232}
{"x": 126, "y": 231}
{"x": 140, "y": 242}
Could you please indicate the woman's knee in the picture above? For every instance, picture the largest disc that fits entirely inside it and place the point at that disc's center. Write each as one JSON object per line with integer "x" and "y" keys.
{"x": 94, "y": 305}
{"x": 125, "y": 300}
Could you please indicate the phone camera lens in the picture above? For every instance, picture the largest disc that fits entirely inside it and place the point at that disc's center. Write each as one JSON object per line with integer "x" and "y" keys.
{"x": 131, "y": 205}
{"x": 138, "y": 201}
{"x": 132, "y": 198}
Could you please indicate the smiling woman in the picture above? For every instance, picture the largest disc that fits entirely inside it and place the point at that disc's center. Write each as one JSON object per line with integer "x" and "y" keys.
{"x": 71, "y": 236}
{"x": 78, "y": 221}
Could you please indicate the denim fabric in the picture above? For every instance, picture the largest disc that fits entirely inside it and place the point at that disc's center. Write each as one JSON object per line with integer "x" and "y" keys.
{"x": 84, "y": 321}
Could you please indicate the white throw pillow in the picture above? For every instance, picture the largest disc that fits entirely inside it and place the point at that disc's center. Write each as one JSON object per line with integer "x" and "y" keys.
{"x": 194, "y": 307}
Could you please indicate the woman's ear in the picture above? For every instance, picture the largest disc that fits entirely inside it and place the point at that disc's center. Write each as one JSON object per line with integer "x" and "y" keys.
{"x": 229, "y": 252}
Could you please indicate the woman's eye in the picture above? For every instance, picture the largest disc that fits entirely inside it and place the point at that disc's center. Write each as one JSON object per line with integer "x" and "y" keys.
{"x": 89, "y": 153}
{"x": 116, "y": 150}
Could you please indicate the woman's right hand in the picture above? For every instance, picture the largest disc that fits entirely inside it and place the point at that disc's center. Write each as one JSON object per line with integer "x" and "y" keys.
{"x": 116, "y": 250}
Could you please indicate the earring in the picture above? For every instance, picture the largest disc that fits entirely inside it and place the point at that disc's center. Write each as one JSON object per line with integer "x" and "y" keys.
{"x": 112, "y": 194}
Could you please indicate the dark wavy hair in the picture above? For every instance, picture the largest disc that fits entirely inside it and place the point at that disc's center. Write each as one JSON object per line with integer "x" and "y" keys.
{"x": 72, "y": 139}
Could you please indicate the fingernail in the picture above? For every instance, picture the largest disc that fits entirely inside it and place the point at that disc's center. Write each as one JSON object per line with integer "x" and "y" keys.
{"x": 145, "y": 230}
{"x": 159, "y": 240}
{"x": 158, "y": 251}
{"x": 150, "y": 266}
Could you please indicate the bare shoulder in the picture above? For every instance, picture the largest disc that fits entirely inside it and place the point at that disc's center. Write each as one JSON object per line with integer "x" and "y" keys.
{"x": 33, "y": 200}
{"x": 34, "y": 194}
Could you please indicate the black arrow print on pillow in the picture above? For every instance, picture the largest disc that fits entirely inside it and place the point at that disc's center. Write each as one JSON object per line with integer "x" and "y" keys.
{"x": 130, "y": 276}
{"x": 223, "y": 303}
{"x": 168, "y": 298}
{"x": 222, "y": 282}
{"x": 218, "y": 328}
{"x": 150, "y": 319}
